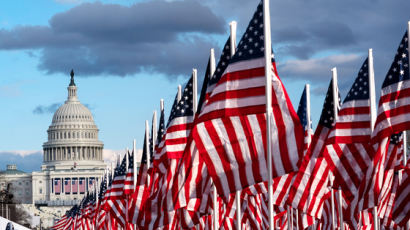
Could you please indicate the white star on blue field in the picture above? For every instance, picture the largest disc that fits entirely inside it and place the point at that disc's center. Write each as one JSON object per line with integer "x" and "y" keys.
{"x": 129, "y": 54}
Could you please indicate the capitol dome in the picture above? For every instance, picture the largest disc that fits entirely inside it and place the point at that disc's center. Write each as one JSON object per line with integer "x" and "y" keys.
{"x": 72, "y": 136}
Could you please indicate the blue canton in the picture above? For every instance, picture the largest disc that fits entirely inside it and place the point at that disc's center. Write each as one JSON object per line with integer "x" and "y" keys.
{"x": 120, "y": 170}
{"x": 360, "y": 88}
{"x": 161, "y": 128}
{"x": 251, "y": 45}
{"x": 327, "y": 117}
{"x": 396, "y": 138}
{"x": 399, "y": 70}
{"x": 184, "y": 107}
{"x": 302, "y": 110}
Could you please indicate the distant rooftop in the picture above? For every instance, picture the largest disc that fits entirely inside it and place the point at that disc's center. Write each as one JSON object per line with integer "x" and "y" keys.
{"x": 11, "y": 169}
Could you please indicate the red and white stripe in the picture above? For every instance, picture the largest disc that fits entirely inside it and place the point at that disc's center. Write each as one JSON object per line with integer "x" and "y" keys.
{"x": 231, "y": 131}
{"x": 129, "y": 179}
{"x": 173, "y": 142}
{"x": 393, "y": 114}
{"x": 309, "y": 189}
{"x": 401, "y": 209}
{"x": 60, "y": 223}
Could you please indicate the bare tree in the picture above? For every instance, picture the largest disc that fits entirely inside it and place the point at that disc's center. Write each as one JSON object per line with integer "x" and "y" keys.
{"x": 15, "y": 212}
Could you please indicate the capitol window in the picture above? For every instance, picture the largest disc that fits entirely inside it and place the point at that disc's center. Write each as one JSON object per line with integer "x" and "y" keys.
{"x": 41, "y": 191}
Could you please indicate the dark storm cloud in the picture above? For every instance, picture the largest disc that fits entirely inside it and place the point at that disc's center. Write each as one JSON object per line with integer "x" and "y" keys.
{"x": 44, "y": 109}
{"x": 309, "y": 37}
{"x": 305, "y": 33}
{"x": 96, "y": 38}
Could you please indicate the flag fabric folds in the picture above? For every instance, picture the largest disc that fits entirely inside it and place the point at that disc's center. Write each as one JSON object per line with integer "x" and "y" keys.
{"x": 222, "y": 145}
{"x": 231, "y": 129}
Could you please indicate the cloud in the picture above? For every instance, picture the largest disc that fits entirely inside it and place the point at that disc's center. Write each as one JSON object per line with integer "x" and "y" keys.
{"x": 45, "y": 109}
{"x": 26, "y": 160}
{"x": 110, "y": 155}
{"x": 110, "y": 39}
{"x": 31, "y": 160}
{"x": 171, "y": 37}
{"x": 317, "y": 69}
{"x": 303, "y": 30}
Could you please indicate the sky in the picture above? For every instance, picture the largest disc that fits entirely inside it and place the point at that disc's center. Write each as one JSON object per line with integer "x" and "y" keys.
{"x": 129, "y": 54}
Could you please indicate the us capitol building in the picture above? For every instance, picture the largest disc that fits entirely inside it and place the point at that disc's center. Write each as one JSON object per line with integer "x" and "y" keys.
{"x": 72, "y": 161}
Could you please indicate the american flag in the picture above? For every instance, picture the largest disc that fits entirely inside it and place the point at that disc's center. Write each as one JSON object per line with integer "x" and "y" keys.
{"x": 137, "y": 200}
{"x": 393, "y": 116}
{"x": 129, "y": 180}
{"x": 169, "y": 152}
{"x": 60, "y": 224}
{"x": 57, "y": 186}
{"x": 394, "y": 110}
{"x": 179, "y": 124}
{"x": 231, "y": 129}
{"x": 89, "y": 205}
{"x": 74, "y": 183}
{"x": 67, "y": 185}
{"x": 401, "y": 210}
{"x": 309, "y": 188}
{"x": 304, "y": 119}
{"x": 210, "y": 79}
{"x": 153, "y": 204}
{"x": 349, "y": 152}
{"x": 391, "y": 178}
{"x": 81, "y": 185}
{"x": 100, "y": 219}
{"x": 191, "y": 177}
{"x": 91, "y": 181}
{"x": 116, "y": 200}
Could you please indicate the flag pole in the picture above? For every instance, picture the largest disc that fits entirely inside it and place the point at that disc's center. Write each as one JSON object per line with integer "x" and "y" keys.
{"x": 179, "y": 93}
{"x": 134, "y": 161}
{"x": 404, "y": 148}
{"x": 134, "y": 166}
{"x": 161, "y": 105}
{"x": 194, "y": 89}
{"x": 154, "y": 130}
{"x": 215, "y": 194}
{"x": 373, "y": 115}
{"x": 297, "y": 218}
{"x": 268, "y": 89}
{"x": 126, "y": 158}
{"x": 332, "y": 201}
{"x": 147, "y": 141}
{"x": 372, "y": 92}
{"x": 232, "y": 41}
{"x": 339, "y": 193}
{"x": 309, "y": 121}
{"x": 335, "y": 110}
{"x": 289, "y": 214}
{"x": 291, "y": 218}
{"x": 405, "y": 132}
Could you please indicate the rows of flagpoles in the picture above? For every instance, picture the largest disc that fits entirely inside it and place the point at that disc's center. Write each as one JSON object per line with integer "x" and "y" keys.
{"x": 160, "y": 194}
